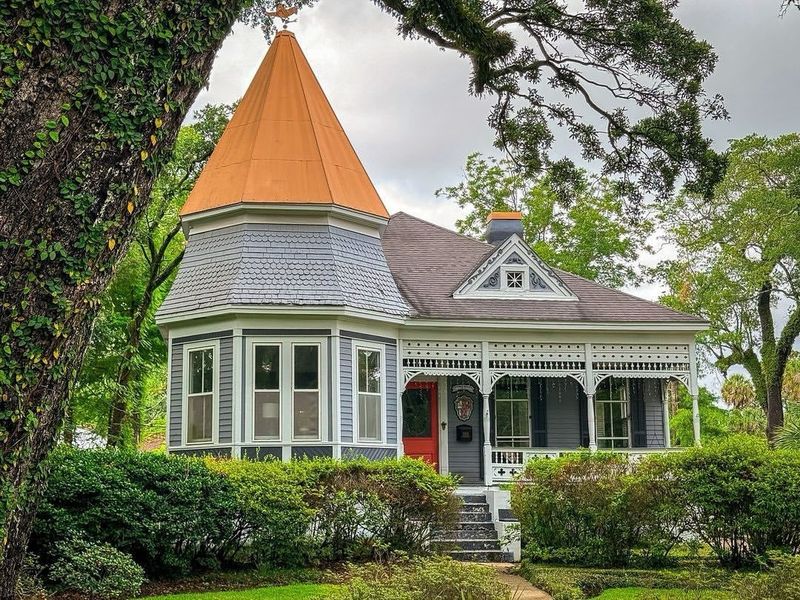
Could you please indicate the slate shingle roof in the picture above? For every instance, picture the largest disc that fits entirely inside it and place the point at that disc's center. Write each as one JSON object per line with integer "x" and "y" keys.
{"x": 269, "y": 264}
{"x": 429, "y": 263}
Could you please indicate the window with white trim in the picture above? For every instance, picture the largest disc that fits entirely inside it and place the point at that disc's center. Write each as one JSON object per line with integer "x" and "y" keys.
{"x": 200, "y": 396}
{"x": 515, "y": 280}
{"x": 512, "y": 412}
{"x": 306, "y": 391}
{"x": 370, "y": 394}
{"x": 267, "y": 392}
{"x": 611, "y": 405}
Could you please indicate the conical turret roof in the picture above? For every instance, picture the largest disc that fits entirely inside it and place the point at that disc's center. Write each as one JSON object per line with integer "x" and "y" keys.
{"x": 284, "y": 145}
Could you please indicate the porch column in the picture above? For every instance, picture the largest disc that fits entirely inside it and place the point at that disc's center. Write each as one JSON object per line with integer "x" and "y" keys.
{"x": 590, "y": 418}
{"x": 487, "y": 442}
{"x": 694, "y": 390}
{"x": 665, "y": 407}
{"x": 696, "y": 417}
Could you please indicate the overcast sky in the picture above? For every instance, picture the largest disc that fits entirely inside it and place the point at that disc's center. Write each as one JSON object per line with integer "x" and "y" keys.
{"x": 406, "y": 107}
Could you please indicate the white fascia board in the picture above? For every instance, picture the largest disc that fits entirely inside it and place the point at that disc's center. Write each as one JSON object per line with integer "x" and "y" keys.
{"x": 557, "y": 325}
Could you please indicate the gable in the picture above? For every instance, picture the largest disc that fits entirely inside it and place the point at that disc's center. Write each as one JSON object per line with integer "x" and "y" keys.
{"x": 514, "y": 271}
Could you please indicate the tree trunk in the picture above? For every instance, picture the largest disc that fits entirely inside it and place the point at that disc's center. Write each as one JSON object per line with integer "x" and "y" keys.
{"x": 774, "y": 409}
{"x": 83, "y": 137}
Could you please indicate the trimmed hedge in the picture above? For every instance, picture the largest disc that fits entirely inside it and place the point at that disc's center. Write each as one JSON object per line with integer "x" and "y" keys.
{"x": 177, "y": 515}
{"x": 739, "y": 497}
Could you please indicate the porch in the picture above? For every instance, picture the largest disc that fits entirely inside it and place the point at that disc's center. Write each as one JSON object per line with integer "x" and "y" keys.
{"x": 503, "y": 403}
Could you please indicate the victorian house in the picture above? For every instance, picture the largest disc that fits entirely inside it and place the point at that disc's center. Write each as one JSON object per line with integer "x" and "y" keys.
{"x": 306, "y": 321}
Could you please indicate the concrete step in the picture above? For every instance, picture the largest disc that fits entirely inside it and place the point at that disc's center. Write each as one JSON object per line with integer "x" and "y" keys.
{"x": 474, "y": 517}
{"x": 474, "y": 508}
{"x": 473, "y": 498}
{"x": 493, "y": 556}
{"x": 472, "y": 545}
{"x": 489, "y": 533}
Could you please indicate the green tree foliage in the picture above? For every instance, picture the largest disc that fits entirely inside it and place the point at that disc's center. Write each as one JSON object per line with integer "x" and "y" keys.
{"x": 586, "y": 233}
{"x": 127, "y": 356}
{"x": 738, "y": 262}
{"x": 716, "y": 421}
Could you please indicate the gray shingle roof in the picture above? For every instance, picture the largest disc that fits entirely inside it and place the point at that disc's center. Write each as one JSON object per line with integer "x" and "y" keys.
{"x": 429, "y": 262}
{"x": 270, "y": 264}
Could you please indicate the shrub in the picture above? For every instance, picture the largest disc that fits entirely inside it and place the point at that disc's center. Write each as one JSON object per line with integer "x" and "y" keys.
{"x": 593, "y": 510}
{"x": 323, "y": 509}
{"x": 172, "y": 514}
{"x": 425, "y": 579}
{"x": 96, "y": 570}
{"x": 781, "y": 583}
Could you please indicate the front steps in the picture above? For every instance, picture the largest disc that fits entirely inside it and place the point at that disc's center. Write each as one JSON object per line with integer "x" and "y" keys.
{"x": 474, "y": 538}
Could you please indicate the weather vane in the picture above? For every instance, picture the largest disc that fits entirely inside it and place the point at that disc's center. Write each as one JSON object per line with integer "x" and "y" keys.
{"x": 284, "y": 13}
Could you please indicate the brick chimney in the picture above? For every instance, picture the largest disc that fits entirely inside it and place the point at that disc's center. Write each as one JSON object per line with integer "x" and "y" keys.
{"x": 502, "y": 225}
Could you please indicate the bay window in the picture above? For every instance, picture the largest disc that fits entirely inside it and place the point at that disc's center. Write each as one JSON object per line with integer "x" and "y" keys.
{"x": 370, "y": 394}
{"x": 200, "y": 396}
{"x": 306, "y": 391}
{"x": 267, "y": 392}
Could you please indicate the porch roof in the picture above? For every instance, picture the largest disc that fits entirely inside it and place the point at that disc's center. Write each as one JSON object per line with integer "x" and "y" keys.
{"x": 429, "y": 263}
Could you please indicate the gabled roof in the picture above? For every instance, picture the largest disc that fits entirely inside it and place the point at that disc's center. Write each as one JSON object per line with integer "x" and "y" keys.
{"x": 429, "y": 263}
{"x": 513, "y": 256}
{"x": 284, "y": 145}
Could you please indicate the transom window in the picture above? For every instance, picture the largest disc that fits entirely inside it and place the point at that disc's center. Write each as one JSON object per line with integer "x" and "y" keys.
{"x": 512, "y": 421}
{"x": 200, "y": 396}
{"x": 611, "y": 405}
{"x": 306, "y": 392}
{"x": 267, "y": 392}
{"x": 370, "y": 394}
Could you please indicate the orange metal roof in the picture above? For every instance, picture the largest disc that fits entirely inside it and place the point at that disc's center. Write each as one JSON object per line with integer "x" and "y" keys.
{"x": 504, "y": 215}
{"x": 284, "y": 145}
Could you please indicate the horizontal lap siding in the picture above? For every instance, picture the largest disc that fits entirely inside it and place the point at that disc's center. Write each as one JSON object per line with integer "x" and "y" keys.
{"x": 654, "y": 413}
{"x": 346, "y": 388}
{"x": 176, "y": 396}
{"x": 226, "y": 390}
{"x": 563, "y": 413}
{"x": 391, "y": 394}
{"x": 463, "y": 458}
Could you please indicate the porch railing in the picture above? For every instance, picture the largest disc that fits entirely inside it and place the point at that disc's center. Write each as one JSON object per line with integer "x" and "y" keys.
{"x": 507, "y": 463}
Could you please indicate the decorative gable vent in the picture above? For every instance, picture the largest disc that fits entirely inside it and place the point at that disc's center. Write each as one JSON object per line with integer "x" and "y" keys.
{"x": 514, "y": 271}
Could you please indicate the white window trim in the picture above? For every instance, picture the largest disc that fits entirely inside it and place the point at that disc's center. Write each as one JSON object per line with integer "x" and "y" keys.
{"x": 251, "y": 390}
{"x": 321, "y": 375}
{"x": 506, "y": 269}
{"x": 514, "y": 437}
{"x": 627, "y": 415}
{"x": 381, "y": 349}
{"x": 187, "y": 349}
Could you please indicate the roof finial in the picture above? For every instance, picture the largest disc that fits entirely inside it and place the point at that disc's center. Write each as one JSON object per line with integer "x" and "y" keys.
{"x": 283, "y": 13}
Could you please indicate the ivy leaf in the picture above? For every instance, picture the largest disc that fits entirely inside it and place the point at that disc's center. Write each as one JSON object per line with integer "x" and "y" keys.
{"x": 54, "y": 136}
{"x": 112, "y": 243}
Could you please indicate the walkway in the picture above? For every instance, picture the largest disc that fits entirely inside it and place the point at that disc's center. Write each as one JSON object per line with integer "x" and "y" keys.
{"x": 521, "y": 589}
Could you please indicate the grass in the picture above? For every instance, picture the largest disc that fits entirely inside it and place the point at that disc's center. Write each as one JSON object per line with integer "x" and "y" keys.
{"x": 300, "y": 591}
{"x": 634, "y": 593}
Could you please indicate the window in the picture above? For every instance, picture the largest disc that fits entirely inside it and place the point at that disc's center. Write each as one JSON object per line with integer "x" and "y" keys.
{"x": 515, "y": 280}
{"x": 267, "y": 392}
{"x": 512, "y": 423}
{"x": 305, "y": 392}
{"x": 200, "y": 396}
{"x": 611, "y": 414}
{"x": 370, "y": 398}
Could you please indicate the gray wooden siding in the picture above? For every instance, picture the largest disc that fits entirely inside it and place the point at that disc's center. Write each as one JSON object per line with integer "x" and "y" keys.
{"x": 312, "y": 451}
{"x": 464, "y": 458}
{"x": 391, "y": 394}
{"x": 216, "y": 452}
{"x": 563, "y": 413}
{"x": 346, "y": 388}
{"x": 176, "y": 397}
{"x": 262, "y": 452}
{"x": 226, "y": 390}
{"x": 654, "y": 413}
{"x": 369, "y": 453}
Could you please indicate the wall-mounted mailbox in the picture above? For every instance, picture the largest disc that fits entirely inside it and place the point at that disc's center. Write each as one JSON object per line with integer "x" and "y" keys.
{"x": 464, "y": 433}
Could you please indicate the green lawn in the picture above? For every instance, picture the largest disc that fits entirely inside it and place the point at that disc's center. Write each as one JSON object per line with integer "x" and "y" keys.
{"x": 301, "y": 591}
{"x": 661, "y": 594}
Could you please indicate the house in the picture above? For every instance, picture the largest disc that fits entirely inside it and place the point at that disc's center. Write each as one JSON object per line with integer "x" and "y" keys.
{"x": 306, "y": 321}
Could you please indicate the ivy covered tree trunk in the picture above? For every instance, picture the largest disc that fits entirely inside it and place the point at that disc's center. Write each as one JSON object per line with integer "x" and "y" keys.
{"x": 91, "y": 95}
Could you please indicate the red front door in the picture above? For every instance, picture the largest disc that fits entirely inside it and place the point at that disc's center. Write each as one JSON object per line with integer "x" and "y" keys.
{"x": 420, "y": 427}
